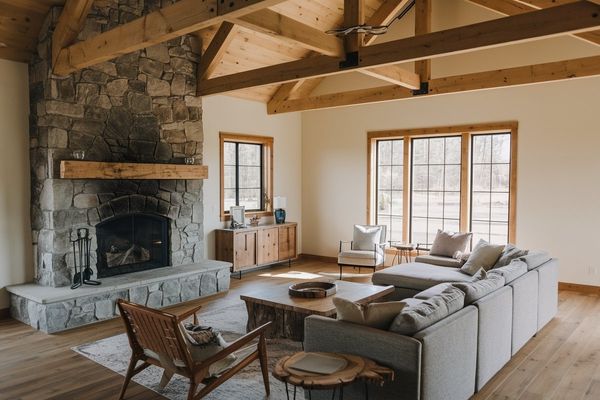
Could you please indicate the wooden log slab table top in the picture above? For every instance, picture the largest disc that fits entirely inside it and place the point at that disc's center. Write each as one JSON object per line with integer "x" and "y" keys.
{"x": 357, "y": 369}
{"x": 288, "y": 313}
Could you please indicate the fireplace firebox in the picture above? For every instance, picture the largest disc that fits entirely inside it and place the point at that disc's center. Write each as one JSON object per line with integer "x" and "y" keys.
{"x": 131, "y": 243}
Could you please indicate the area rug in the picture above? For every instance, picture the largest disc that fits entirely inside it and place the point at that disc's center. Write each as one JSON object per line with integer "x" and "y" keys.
{"x": 114, "y": 353}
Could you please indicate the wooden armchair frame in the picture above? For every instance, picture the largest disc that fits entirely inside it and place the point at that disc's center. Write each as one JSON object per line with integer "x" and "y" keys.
{"x": 160, "y": 332}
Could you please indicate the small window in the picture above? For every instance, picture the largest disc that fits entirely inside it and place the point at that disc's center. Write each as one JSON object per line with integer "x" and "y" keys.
{"x": 246, "y": 173}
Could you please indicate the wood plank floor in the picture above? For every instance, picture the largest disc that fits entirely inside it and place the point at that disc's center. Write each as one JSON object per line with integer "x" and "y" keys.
{"x": 561, "y": 362}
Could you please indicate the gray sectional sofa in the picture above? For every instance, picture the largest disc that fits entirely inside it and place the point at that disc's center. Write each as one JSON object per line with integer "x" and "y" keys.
{"x": 458, "y": 354}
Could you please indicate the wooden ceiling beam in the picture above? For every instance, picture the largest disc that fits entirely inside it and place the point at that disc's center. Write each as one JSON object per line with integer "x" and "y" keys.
{"x": 293, "y": 90}
{"x": 15, "y": 54}
{"x": 511, "y": 7}
{"x": 353, "y": 16}
{"x": 422, "y": 27}
{"x": 271, "y": 23}
{"x": 396, "y": 75}
{"x": 575, "y": 17}
{"x": 71, "y": 21}
{"x": 384, "y": 15}
{"x": 531, "y": 74}
{"x": 177, "y": 19}
{"x": 216, "y": 50}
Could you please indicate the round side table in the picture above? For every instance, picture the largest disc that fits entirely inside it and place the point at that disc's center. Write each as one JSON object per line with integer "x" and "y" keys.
{"x": 357, "y": 369}
{"x": 402, "y": 250}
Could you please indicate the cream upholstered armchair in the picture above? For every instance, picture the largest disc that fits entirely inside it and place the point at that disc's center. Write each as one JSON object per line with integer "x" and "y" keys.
{"x": 366, "y": 250}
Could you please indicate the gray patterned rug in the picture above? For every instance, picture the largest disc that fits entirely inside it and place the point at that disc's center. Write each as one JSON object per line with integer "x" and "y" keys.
{"x": 114, "y": 352}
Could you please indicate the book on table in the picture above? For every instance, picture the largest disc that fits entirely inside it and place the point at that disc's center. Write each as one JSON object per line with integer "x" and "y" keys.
{"x": 319, "y": 364}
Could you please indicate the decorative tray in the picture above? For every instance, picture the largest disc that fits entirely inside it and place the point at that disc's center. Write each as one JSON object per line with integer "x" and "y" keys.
{"x": 312, "y": 289}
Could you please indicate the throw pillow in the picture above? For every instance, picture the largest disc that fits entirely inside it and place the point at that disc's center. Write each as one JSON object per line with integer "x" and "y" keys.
{"x": 366, "y": 237}
{"x": 375, "y": 315}
{"x": 484, "y": 255}
{"x": 422, "y": 315}
{"x": 535, "y": 258}
{"x": 446, "y": 244}
{"x": 511, "y": 271}
{"x": 509, "y": 253}
{"x": 432, "y": 291}
{"x": 475, "y": 290}
{"x": 204, "y": 342}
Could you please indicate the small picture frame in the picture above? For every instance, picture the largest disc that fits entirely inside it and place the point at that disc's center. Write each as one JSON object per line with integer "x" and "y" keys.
{"x": 237, "y": 216}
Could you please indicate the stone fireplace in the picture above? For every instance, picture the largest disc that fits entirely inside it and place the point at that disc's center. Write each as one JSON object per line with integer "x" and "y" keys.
{"x": 139, "y": 107}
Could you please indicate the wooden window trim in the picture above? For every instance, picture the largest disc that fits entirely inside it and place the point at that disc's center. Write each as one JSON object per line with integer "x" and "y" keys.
{"x": 467, "y": 131}
{"x": 267, "y": 142}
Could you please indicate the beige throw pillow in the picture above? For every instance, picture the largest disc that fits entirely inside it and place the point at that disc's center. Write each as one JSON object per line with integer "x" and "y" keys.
{"x": 366, "y": 237}
{"x": 375, "y": 315}
{"x": 446, "y": 244}
{"x": 484, "y": 255}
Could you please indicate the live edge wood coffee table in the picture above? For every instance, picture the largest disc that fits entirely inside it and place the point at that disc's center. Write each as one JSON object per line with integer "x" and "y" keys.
{"x": 357, "y": 369}
{"x": 288, "y": 313}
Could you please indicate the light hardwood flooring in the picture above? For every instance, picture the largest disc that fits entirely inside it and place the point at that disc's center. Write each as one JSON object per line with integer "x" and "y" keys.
{"x": 561, "y": 362}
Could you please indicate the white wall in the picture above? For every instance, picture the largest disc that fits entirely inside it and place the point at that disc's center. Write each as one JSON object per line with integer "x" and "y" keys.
{"x": 558, "y": 164}
{"x": 228, "y": 114}
{"x": 15, "y": 228}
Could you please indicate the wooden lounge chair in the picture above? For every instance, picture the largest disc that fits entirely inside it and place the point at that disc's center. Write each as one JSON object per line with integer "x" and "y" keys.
{"x": 156, "y": 338}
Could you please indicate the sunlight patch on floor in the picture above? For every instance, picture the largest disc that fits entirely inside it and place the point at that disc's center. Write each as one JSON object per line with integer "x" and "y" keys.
{"x": 293, "y": 275}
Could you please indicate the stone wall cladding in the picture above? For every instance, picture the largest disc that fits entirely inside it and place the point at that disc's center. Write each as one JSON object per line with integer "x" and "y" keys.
{"x": 56, "y": 317}
{"x": 140, "y": 107}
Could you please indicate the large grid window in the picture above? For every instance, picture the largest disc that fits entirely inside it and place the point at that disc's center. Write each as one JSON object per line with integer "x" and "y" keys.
{"x": 435, "y": 192}
{"x": 246, "y": 173}
{"x": 460, "y": 178}
{"x": 390, "y": 190}
{"x": 490, "y": 187}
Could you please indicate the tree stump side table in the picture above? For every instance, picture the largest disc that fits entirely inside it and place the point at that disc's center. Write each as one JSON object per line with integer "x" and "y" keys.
{"x": 358, "y": 369}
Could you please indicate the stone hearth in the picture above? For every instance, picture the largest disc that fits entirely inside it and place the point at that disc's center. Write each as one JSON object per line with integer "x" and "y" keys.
{"x": 56, "y": 309}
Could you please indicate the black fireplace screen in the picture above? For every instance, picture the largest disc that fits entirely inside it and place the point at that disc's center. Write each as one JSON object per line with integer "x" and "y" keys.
{"x": 131, "y": 243}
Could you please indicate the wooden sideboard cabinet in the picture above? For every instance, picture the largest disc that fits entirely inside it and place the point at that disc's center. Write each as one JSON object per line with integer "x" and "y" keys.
{"x": 256, "y": 246}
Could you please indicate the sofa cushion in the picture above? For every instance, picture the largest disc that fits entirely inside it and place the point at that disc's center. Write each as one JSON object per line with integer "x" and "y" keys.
{"x": 511, "y": 271}
{"x": 416, "y": 318}
{"x": 418, "y": 276}
{"x": 439, "y": 260}
{"x": 366, "y": 237}
{"x": 432, "y": 291}
{"x": 476, "y": 290}
{"x": 446, "y": 243}
{"x": 484, "y": 255}
{"x": 535, "y": 258}
{"x": 510, "y": 252}
{"x": 375, "y": 315}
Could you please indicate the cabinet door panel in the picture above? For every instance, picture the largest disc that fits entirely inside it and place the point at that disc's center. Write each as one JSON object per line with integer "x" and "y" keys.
{"x": 245, "y": 250}
{"x": 268, "y": 246}
{"x": 287, "y": 242}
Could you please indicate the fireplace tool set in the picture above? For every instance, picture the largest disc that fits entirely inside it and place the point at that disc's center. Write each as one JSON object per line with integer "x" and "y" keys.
{"x": 81, "y": 256}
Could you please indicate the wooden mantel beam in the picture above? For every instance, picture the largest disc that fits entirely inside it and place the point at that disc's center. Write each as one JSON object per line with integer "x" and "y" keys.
{"x": 511, "y": 7}
{"x": 569, "y": 18}
{"x": 70, "y": 23}
{"x": 531, "y": 74}
{"x": 271, "y": 23}
{"x": 183, "y": 17}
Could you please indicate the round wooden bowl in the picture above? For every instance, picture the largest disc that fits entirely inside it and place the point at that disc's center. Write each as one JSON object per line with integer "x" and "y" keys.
{"x": 312, "y": 289}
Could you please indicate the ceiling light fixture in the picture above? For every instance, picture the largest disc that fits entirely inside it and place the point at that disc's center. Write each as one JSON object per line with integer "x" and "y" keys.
{"x": 369, "y": 29}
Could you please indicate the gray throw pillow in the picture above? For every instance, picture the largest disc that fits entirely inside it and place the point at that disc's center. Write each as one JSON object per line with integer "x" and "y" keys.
{"x": 511, "y": 271}
{"x": 484, "y": 255}
{"x": 422, "y": 315}
{"x": 475, "y": 290}
{"x": 509, "y": 253}
{"x": 366, "y": 237}
{"x": 446, "y": 244}
{"x": 432, "y": 291}
{"x": 535, "y": 258}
